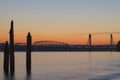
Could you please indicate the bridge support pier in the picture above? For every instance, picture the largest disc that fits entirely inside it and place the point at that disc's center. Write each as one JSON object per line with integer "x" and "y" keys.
{"x": 90, "y": 42}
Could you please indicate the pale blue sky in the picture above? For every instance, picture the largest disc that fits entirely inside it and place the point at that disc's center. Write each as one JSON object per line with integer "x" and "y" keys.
{"x": 60, "y": 16}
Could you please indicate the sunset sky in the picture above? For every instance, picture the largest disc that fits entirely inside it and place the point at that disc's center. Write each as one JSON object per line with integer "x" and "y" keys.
{"x": 68, "y": 21}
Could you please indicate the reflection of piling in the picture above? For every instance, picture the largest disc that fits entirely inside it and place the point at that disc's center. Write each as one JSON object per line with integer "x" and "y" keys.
{"x": 28, "y": 53}
{"x": 6, "y": 58}
{"x": 12, "y": 62}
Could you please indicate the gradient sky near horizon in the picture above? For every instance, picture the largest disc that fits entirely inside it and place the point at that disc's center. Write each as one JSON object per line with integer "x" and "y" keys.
{"x": 60, "y": 20}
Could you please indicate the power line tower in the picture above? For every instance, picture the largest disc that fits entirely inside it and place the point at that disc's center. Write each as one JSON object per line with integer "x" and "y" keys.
{"x": 89, "y": 44}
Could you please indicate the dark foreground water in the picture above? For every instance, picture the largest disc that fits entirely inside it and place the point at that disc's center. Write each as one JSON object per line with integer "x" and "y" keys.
{"x": 66, "y": 66}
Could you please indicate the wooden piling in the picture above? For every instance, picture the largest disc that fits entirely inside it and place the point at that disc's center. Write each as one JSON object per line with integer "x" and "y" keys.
{"x": 28, "y": 53}
{"x": 12, "y": 61}
{"x": 6, "y": 58}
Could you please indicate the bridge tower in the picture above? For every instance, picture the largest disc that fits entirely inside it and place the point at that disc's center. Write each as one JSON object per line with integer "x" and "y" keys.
{"x": 111, "y": 40}
{"x": 89, "y": 42}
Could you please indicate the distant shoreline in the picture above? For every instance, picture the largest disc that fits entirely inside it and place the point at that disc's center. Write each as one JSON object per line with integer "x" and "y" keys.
{"x": 74, "y": 48}
{"x": 72, "y": 51}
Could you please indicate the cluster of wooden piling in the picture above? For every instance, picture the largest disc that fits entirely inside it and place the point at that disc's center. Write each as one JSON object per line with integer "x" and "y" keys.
{"x": 9, "y": 57}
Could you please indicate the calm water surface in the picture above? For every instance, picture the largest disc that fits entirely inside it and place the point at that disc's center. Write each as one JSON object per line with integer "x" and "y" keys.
{"x": 66, "y": 66}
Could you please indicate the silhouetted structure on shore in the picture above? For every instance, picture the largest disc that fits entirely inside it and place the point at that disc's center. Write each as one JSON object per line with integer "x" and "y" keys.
{"x": 28, "y": 53}
{"x": 118, "y": 46}
{"x": 12, "y": 61}
{"x": 111, "y": 40}
{"x": 90, "y": 42}
{"x": 6, "y": 58}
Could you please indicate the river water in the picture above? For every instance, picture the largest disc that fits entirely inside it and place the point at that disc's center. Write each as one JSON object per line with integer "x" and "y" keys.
{"x": 66, "y": 66}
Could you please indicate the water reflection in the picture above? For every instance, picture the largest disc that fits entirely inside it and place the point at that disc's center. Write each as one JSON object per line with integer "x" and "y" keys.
{"x": 28, "y": 76}
{"x": 13, "y": 77}
{"x": 6, "y": 77}
{"x": 9, "y": 77}
{"x": 107, "y": 77}
{"x": 66, "y": 66}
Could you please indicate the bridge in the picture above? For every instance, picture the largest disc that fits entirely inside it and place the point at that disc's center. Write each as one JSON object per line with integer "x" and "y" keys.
{"x": 47, "y": 45}
{"x": 51, "y": 43}
{"x": 88, "y": 43}
{"x": 58, "y": 45}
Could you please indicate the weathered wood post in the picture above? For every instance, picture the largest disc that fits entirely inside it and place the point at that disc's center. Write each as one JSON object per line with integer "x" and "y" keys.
{"x": 6, "y": 58}
{"x": 12, "y": 61}
{"x": 28, "y": 53}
